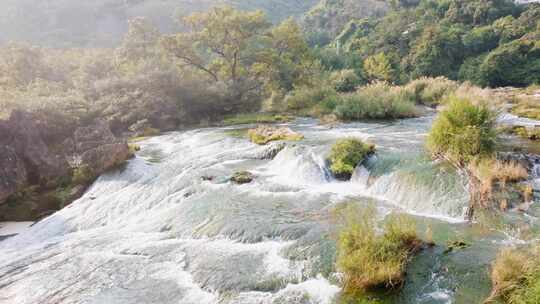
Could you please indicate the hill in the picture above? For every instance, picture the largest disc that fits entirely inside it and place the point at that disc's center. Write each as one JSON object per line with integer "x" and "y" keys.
{"x": 101, "y": 23}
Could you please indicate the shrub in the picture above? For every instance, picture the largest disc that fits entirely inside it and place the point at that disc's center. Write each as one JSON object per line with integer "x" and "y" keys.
{"x": 463, "y": 131}
{"x": 346, "y": 154}
{"x": 430, "y": 91}
{"x": 369, "y": 260}
{"x": 304, "y": 98}
{"x": 378, "y": 100}
{"x": 515, "y": 277}
{"x": 345, "y": 80}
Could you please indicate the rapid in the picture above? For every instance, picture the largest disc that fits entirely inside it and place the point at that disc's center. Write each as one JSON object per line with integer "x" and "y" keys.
{"x": 156, "y": 231}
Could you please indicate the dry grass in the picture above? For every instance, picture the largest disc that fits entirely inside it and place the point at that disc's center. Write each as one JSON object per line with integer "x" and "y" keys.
{"x": 515, "y": 276}
{"x": 527, "y": 106}
{"x": 491, "y": 170}
{"x": 478, "y": 95}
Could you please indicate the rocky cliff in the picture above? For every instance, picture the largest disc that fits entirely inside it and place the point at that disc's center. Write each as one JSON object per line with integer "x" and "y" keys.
{"x": 36, "y": 179}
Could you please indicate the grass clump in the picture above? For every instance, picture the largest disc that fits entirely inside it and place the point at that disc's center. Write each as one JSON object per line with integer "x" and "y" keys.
{"x": 346, "y": 154}
{"x": 528, "y": 133}
{"x": 490, "y": 170}
{"x": 515, "y": 277}
{"x": 379, "y": 100}
{"x": 371, "y": 260}
{"x": 463, "y": 131}
{"x": 252, "y": 118}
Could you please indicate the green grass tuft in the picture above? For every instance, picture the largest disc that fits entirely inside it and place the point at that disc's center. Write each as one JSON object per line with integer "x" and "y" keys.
{"x": 370, "y": 260}
{"x": 346, "y": 154}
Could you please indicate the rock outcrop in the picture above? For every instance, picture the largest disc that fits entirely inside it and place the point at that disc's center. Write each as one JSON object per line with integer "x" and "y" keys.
{"x": 32, "y": 174}
{"x": 265, "y": 134}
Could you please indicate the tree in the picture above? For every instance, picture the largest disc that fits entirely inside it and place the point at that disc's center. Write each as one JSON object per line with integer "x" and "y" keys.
{"x": 379, "y": 67}
{"x": 438, "y": 52}
{"x": 512, "y": 64}
{"x": 223, "y": 44}
{"x": 140, "y": 41}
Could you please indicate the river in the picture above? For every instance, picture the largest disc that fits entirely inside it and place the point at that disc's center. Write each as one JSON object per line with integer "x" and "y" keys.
{"x": 156, "y": 232}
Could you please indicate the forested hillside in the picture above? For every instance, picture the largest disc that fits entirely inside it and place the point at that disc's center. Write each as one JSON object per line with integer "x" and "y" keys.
{"x": 99, "y": 23}
{"x": 488, "y": 42}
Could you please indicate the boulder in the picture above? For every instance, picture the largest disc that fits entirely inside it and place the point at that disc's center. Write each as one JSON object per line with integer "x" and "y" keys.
{"x": 22, "y": 134}
{"x": 242, "y": 177}
{"x": 31, "y": 172}
{"x": 96, "y": 148}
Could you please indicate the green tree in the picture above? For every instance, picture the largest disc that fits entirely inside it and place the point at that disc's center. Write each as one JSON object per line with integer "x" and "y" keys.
{"x": 223, "y": 44}
{"x": 379, "y": 67}
{"x": 438, "y": 52}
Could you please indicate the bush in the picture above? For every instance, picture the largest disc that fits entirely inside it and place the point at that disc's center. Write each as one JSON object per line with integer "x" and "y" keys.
{"x": 376, "y": 101}
{"x": 346, "y": 154}
{"x": 515, "y": 276}
{"x": 305, "y": 98}
{"x": 369, "y": 260}
{"x": 345, "y": 80}
{"x": 430, "y": 91}
{"x": 463, "y": 131}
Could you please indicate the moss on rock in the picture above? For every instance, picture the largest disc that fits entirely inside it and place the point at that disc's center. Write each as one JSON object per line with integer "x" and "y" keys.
{"x": 265, "y": 134}
{"x": 346, "y": 154}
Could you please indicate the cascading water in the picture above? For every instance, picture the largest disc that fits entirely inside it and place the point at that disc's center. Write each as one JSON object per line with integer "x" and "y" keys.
{"x": 156, "y": 232}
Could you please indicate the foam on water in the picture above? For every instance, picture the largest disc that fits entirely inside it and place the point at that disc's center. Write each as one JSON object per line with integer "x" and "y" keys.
{"x": 156, "y": 232}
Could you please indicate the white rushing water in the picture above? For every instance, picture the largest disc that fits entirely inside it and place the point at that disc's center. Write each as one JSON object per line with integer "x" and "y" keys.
{"x": 156, "y": 232}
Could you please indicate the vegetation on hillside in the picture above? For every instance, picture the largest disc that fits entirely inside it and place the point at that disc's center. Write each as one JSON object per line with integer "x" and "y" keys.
{"x": 227, "y": 63}
{"x": 490, "y": 43}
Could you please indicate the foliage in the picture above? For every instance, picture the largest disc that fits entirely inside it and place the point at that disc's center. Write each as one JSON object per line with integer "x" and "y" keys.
{"x": 369, "y": 260}
{"x": 431, "y": 91}
{"x": 463, "y": 131}
{"x": 377, "y": 100}
{"x": 345, "y": 80}
{"x": 346, "y": 154}
{"x": 487, "y": 42}
{"x": 379, "y": 67}
{"x": 307, "y": 97}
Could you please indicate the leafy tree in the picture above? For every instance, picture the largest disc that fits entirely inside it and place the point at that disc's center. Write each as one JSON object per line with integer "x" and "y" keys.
{"x": 379, "y": 67}
{"x": 513, "y": 64}
{"x": 140, "y": 41}
{"x": 438, "y": 52}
